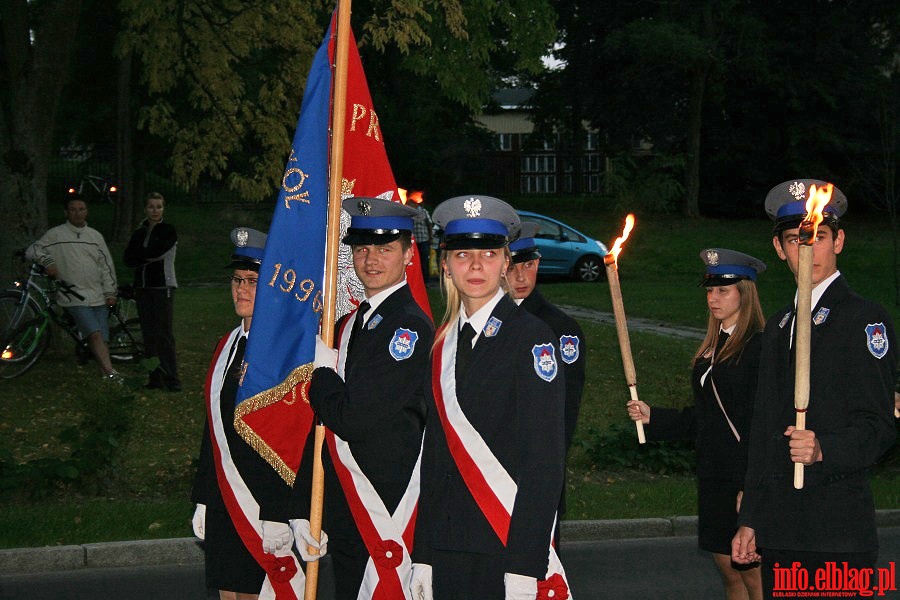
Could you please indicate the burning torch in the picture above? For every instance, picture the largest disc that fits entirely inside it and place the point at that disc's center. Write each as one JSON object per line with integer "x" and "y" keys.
{"x": 615, "y": 292}
{"x": 815, "y": 204}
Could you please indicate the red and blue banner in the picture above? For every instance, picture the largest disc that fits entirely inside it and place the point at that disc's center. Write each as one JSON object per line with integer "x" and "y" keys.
{"x": 272, "y": 413}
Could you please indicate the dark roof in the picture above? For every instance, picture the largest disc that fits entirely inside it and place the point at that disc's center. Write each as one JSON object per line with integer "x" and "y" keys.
{"x": 512, "y": 98}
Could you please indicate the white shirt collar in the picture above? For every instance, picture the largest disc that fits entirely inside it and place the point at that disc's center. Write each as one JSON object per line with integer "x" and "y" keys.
{"x": 479, "y": 319}
{"x": 376, "y": 300}
{"x": 728, "y": 330}
{"x": 819, "y": 290}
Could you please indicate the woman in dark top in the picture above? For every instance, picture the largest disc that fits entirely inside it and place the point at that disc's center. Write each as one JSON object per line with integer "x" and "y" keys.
{"x": 724, "y": 382}
{"x": 151, "y": 253}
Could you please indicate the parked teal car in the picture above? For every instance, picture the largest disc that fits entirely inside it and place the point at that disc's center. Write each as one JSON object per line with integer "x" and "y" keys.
{"x": 566, "y": 251}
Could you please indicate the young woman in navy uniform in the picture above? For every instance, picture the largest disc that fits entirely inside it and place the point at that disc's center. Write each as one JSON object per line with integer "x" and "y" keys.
{"x": 494, "y": 449}
{"x": 230, "y": 567}
{"x": 849, "y": 421}
{"x": 724, "y": 380}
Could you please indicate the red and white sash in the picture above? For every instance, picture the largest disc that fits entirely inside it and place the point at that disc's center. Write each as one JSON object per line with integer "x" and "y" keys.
{"x": 284, "y": 577}
{"x": 387, "y": 537}
{"x": 491, "y": 486}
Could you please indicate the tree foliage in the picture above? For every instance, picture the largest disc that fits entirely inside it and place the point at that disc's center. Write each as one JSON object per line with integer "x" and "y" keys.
{"x": 36, "y": 39}
{"x": 223, "y": 80}
{"x": 749, "y": 93}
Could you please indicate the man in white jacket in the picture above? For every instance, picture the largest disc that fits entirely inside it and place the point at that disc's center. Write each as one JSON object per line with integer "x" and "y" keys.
{"x": 77, "y": 254}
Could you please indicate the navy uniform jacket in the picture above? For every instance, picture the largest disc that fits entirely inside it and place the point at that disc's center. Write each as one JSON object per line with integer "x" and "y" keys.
{"x": 573, "y": 366}
{"x": 265, "y": 483}
{"x": 379, "y": 409}
{"x": 719, "y": 454}
{"x": 850, "y": 411}
{"x": 520, "y": 417}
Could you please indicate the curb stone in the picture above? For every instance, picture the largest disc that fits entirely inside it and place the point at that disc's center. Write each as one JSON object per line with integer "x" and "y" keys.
{"x": 185, "y": 551}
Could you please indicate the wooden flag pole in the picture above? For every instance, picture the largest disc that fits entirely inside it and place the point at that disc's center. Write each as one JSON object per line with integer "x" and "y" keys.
{"x": 336, "y": 166}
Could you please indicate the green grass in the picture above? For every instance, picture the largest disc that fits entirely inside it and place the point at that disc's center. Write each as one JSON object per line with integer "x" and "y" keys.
{"x": 146, "y": 492}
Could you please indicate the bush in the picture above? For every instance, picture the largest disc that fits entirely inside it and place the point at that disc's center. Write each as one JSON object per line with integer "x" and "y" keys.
{"x": 92, "y": 443}
{"x": 617, "y": 449}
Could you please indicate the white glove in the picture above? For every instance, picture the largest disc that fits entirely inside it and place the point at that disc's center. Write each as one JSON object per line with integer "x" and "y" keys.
{"x": 520, "y": 587}
{"x": 325, "y": 355}
{"x": 303, "y": 539}
{"x": 198, "y": 522}
{"x": 420, "y": 584}
{"x": 275, "y": 536}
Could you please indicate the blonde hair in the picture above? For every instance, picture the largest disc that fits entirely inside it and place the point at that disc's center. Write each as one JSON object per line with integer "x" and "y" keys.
{"x": 750, "y": 321}
{"x": 451, "y": 295}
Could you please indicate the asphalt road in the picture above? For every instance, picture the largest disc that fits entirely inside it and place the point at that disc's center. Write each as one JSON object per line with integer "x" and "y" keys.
{"x": 638, "y": 569}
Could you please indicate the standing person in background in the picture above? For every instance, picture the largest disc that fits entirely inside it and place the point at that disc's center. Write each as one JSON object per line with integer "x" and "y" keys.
{"x": 849, "y": 422}
{"x": 151, "y": 253}
{"x": 422, "y": 233}
{"x": 77, "y": 254}
{"x": 494, "y": 450}
{"x": 522, "y": 279}
{"x": 724, "y": 379}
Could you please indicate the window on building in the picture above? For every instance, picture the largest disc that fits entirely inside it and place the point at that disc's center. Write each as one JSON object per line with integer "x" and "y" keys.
{"x": 539, "y": 163}
{"x": 538, "y": 184}
{"x": 505, "y": 141}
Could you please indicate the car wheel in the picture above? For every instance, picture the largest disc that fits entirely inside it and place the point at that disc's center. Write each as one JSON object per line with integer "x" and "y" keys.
{"x": 589, "y": 268}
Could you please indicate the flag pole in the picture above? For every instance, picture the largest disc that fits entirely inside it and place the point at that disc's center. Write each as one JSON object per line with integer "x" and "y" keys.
{"x": 336, "y": 164}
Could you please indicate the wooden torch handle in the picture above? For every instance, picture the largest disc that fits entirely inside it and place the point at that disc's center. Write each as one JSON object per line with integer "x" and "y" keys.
{"x": 615, "y": 292}
{"x": 802, "y": 346}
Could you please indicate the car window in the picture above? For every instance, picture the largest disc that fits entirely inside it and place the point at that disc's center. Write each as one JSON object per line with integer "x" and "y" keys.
{"x": 548, "y": 230}
{"x": 573, "y": 236}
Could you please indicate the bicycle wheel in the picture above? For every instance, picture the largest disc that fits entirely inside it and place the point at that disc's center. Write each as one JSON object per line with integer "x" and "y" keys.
{"x": 24, "y": 334}
{"x": 126, "y": 344}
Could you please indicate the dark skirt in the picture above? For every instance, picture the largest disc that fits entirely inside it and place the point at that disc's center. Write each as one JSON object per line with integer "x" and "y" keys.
{"x": 229, "y": 565}
{"x": 717, "y": 514}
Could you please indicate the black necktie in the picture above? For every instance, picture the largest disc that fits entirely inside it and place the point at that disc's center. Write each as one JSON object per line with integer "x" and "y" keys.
{"x": 720, "y": 342}
{"x": 234, "y": 369}
{"x": 357, "y": 323}
{"x": 464, "y": 349}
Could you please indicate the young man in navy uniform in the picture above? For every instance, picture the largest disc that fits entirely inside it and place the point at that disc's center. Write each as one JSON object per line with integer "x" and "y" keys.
{"x": 522, "y": 279}
{"x": 370, "y": 396}
{"x": 849, "y": 423}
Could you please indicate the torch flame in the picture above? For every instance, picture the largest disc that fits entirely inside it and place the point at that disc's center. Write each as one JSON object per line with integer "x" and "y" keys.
{"x": 818, "y": 200}
{"x": 617, "y": 246}
{"x": 415, "y": 196}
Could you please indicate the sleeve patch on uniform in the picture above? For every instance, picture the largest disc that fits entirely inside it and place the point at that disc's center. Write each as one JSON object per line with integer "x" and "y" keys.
{"x": 544, "y": 361}
{"x": 403, "y": 344}
{"x": 569, "y": 348}
{"x": 876, "y": 341}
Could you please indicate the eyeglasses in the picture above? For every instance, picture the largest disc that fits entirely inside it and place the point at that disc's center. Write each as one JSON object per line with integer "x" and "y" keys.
{"x": 237, "y": 281}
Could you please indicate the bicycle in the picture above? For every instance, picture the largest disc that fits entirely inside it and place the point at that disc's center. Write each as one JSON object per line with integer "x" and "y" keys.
{"x": 97, "y": 186}
{"x": 28, "y": 308}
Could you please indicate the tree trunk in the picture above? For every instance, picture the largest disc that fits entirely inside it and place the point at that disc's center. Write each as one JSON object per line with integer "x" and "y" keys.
{"x": 36, "y": 59}
{"x": 691, "y": 206}
{"x": 127, "y": 201}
